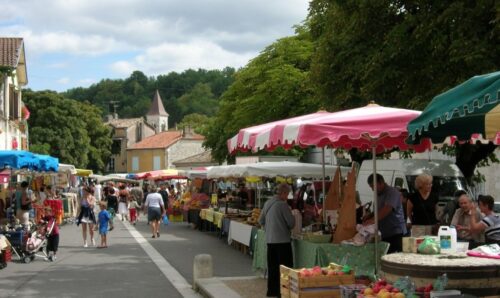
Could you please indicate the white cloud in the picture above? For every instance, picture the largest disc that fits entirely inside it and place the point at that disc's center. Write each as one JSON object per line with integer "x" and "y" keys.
{"x": 168, "y": 57}
{"x": 63, "y": 81}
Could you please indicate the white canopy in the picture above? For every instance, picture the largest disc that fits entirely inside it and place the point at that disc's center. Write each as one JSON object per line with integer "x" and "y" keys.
{"x": 66, "y": 168}
{"x": 271, "y": 169}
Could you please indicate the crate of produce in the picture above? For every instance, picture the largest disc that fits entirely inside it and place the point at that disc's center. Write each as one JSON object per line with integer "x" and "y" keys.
{"x": 319, "y": 282}
{"x": 284, "y": 281}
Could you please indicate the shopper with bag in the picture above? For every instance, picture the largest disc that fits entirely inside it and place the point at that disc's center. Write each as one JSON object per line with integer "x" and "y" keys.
{"x": 155, "y": 210}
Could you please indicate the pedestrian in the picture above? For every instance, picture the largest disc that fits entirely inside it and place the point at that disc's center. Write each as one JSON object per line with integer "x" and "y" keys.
{"x": 23, "y": 196}
{"x": 87, "y": 217}
{"x": 104, "y": 218}
{"x": 132, "y": 209}
{"x": 123, "y": 198}
{"x": 278, "y": 221}
{"x": 138, "y": 194}
{"x": 391, "y": 222}
{"x": 164, "y": 192}
{"x": 155, "y": 210}
{"x": 490, "y": 223}
{"x": 53, "y": 238}
{"x": 421, "y": 207}
{"x": 112, "y": 203}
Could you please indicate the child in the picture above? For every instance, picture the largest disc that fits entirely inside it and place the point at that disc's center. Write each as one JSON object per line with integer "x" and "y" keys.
{"x": 53, "y": 237}
{"x": 103, "y": 219}
{"x": 132, "y": 209}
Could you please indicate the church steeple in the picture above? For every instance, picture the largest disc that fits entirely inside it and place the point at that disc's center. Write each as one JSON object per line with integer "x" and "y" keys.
{"x": 157, "y": 116}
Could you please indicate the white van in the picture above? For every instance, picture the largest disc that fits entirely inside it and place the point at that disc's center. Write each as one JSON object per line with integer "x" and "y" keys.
{"x": 401, "y": 173}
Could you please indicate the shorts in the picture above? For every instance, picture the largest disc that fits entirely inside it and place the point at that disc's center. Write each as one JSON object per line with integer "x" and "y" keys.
{"x": 154, "y": 213}
{"x": 103, "y": 230}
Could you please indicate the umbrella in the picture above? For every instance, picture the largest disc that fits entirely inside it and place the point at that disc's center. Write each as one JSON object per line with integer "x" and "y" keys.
{"x": 463, "y": 112}
{"x": 246, "y": 137}
{"x": 161, "y": 174}
{"x": 372, "y": 127}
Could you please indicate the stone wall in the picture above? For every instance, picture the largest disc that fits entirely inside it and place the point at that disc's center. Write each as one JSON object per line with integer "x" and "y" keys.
{"x": 183, "y": 149}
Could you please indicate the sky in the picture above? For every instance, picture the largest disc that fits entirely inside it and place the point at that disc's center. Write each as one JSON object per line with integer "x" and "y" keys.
{"x": 76, "y": 43}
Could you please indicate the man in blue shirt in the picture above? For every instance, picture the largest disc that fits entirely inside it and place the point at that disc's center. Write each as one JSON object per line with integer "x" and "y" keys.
{"x": 391, "y": 222}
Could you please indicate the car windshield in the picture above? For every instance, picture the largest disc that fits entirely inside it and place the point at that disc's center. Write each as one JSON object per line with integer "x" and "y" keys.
{"x": 444, "y": 186}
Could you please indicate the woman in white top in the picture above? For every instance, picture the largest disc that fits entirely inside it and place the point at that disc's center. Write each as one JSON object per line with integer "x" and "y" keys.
{"x": 87, "y": 217}
{"x": 155, "y": 210}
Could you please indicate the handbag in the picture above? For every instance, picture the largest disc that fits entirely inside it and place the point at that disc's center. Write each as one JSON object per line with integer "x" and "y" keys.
{"x": 165, "y": 220}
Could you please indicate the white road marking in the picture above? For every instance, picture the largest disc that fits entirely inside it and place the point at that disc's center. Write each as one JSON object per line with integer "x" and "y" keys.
{"x": 177, "y": 280}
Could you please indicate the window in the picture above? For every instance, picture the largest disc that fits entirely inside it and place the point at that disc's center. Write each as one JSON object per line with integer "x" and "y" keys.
{"x": 13, "y": 103}
{"x": 2, "y": 96}
{"x": 111, "y": 166}
{"x": 116, "y": 147}
{"x": 138, "y": 132}
{"x": 156, "y": 163}
{"x": 135, "y": 163}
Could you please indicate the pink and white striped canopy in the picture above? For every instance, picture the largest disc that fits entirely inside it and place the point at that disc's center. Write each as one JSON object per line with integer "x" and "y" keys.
{"x": 362, "y": 128}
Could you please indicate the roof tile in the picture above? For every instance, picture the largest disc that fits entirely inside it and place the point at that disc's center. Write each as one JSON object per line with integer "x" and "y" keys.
{"x": 10, "y": 51}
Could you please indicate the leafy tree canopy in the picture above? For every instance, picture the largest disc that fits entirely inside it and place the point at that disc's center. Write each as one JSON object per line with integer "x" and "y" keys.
{"x": 182, "y": 93}
{"x": 70, "y": 130}
{"x": 274, "y": 85}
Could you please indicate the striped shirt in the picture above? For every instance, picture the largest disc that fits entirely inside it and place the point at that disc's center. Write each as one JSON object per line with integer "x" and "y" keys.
{"x": 492, "y": 223}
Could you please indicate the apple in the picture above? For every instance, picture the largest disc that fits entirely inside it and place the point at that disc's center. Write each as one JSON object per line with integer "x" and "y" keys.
{"x": 340, "y": 273}
{"x": 388, "y": 288}
{"x": 395, "y": 290}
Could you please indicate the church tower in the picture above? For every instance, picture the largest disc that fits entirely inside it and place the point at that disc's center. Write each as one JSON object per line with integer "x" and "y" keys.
{"x": 157, "y": 116}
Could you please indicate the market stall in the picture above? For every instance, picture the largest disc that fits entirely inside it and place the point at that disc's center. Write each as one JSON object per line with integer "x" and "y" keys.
{"x": 318, "y": 251}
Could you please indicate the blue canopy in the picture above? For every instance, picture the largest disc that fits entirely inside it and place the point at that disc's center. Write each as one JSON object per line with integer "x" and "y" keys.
{"x": 18, "y": 160}
{"x": 47, "y": 163}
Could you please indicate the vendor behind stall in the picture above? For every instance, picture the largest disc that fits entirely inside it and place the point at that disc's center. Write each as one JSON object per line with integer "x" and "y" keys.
{"x": 391, "y": 221}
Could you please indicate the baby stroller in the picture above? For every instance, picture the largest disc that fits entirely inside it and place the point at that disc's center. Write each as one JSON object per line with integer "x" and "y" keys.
{"x": 30, "y": 245}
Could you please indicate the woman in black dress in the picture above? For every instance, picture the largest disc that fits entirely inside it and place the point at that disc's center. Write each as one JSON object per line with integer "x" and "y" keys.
{"x": 421, "y": 207}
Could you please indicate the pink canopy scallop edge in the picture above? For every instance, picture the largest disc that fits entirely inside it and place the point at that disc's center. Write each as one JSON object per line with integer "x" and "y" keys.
{"x": 245, "y": 140}
{"x": 361, "y": 128}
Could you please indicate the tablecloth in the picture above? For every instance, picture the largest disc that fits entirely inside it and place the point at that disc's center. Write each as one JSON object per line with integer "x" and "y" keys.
{"x": 239, "y": 232}
{"x": 308, "y": 254}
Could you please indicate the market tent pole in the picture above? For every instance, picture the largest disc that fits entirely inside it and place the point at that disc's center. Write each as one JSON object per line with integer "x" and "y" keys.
{"x": 323, "y": 167}
{"x": 375, "y": 204}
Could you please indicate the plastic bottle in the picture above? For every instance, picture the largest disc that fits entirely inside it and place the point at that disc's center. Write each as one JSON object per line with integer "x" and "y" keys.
{"x": 447, "y": 239}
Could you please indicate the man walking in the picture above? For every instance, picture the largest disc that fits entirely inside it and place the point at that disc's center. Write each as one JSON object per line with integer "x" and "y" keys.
{"x": 278, "y": 221}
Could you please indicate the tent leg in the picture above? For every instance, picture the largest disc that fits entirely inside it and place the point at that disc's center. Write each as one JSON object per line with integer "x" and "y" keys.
{"x": 375, "y": 205}
{"x": 323, "y": 183}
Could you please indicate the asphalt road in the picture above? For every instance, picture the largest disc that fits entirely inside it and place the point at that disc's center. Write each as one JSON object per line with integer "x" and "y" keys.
{"x": 134, "y": 264}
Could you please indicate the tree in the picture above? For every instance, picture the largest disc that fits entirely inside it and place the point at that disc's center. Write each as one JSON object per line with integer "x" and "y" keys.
{"x": 198, "y": 100}
{"x": 67, "y": 129}
{"x": 195, "y": 121}
{"x": 415, "y": 50}
{"x": 274, "y": 85}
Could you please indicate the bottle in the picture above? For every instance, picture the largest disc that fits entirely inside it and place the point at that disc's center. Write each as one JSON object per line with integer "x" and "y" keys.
{"x": 447, "y": 239}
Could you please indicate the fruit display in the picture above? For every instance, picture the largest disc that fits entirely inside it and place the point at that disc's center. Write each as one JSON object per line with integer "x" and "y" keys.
{"x": 383, "y": 289}
{"x": 254, "y": 218}
{"x": 317, "y": 282}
